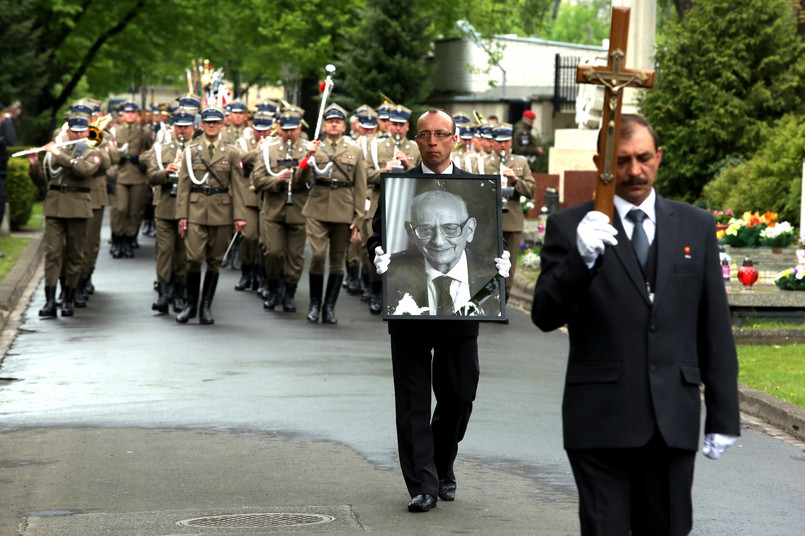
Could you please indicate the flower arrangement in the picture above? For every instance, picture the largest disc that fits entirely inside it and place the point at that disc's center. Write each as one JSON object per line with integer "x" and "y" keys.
{"x": 745, "y": 231}
{"x": 526, "y": 205}
{"x": 790, "y": 279}
{"x": 723, "y": 216}
{"x": 779, "y": 235}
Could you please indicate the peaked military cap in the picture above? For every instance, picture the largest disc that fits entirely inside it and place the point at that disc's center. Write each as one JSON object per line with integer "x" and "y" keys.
{"x": 461, "y": 119}
{"x": 466, "y": 132}
{"x": 82, "y": 107}
{"x": 183, "y": 117}
{"x": 189, "y": 101}
{"x": 238, "y": 106}
{"x": 269, "y": 106}
{"x": 502, "y": 132}
{"x": 130, "y": 107}
{"x": 399, "y": 114}
{"x": 212, "y": 113}
{"x": 262, "y": 121}
{"x": 78, "y": 122}
{"x": 383, "y": 111}
{"x": 290, "y": 117}
{"x": 334, "y": 111}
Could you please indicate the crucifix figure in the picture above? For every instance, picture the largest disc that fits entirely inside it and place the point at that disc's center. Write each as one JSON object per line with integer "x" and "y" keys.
{"x": 614, "y": 77}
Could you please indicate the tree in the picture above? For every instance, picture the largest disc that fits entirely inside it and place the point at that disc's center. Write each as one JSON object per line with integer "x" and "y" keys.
{"x": 581, "y": 23}
{"x": 724, "y": 74}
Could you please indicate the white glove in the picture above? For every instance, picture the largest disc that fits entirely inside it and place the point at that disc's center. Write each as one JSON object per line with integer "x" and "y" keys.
{"x": 715, "y": 445}
{"x": 382, "y": 260}
{"x": 503, "y": 264}
{"x": 593, "y": 234}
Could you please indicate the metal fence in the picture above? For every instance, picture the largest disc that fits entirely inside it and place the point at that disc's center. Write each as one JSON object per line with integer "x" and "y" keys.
{"x": 565, "y": 87}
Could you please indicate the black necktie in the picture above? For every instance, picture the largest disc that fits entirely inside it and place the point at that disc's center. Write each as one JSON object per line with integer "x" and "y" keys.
{"x": 444, "y": 299}
{"x": 639, "y": 238}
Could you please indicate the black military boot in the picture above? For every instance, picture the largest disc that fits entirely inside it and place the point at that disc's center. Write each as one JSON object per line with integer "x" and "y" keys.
{"x": 288, "y": 304}
{"x": 207, "y": 294}
{"x": 376, "y": 301}
{"x": 245, "y": 277}
{"x": 89, "y": 288}
{"x": 179, "y": 297}
{"x": 69, "y": 301}
{"x": 128, "y": 246}
{"x": 162, "y": 304}
{"x": 331, "y": 296}
{"x": 366, "y": 288}
{"x": 50, "y": 302}
{"x": 273, "y": 295}
{"x": 117, "y": 247}
{"x": 258, "y": 276}
{"x": 191, "y": 307}
{"x": 78, "y": 301}
{"x": 354, "y": 276}
{"x": 316, "y": 286}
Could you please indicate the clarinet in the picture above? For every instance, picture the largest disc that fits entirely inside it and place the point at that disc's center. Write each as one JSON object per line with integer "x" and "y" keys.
{"x": 289, "y": 193}
{"x": 398, "y": 166}
{"x": 174, "y": 177}
{"x": 504, "y": 202}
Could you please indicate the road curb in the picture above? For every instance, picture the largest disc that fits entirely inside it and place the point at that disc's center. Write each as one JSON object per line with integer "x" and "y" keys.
{"x": 776, "y": 412}
{"x": 20, "y": 275}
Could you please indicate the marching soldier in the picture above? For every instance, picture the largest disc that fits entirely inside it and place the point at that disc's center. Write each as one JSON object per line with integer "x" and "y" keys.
{"x": 131, "y": 190}
{"x": 334, "y": 209}
{"x": 251, "y": 258}
{"x": 396, "y": 153}
{"x": 464, "y": 155}
{"x": 164, "y": 161}
{"x": 211, "y": 198}
{"x": 281, "y": 183}
{"x": 514, "y": 172}
{"x": 238, "y": 121}
{"x": 67, "y": 173}
{"x": 383, "y": 120}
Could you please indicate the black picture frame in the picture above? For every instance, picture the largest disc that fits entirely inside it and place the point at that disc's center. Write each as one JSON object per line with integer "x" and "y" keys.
{"x": 407, "y": 294}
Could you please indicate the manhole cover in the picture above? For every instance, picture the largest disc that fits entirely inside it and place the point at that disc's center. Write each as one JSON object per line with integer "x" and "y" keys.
{"x": 256, "y": 520}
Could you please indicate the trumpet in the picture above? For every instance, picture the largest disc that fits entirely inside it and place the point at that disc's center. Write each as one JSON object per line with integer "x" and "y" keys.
{"x": 95, "y": 137}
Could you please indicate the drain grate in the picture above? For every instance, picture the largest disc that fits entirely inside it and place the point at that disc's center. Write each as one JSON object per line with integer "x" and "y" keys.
{"x": 256, "y": 520}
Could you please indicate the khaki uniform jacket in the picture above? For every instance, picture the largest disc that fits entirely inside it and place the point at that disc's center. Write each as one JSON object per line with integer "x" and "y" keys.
{"x": 274, "y": 193}
{"x": 342, "y": 203}
{"x": 380, "y": 152}
{"x": 513, "y": 220}
{"x": 131, "y": 141}
{"x": 157, "y": 159}
{"x": 214, "y": 209}
{"x": 232, "y": 134}
{"x": 68, "y": 171}
{"x": 247, "y": 146}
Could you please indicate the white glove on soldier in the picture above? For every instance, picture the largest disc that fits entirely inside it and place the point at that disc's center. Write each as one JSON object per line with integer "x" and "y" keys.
{"x": 503, "y": 264}
{"x": 715, "y": 445}
{"x": 593, "y": 234}
{"x": 382, "y": 260}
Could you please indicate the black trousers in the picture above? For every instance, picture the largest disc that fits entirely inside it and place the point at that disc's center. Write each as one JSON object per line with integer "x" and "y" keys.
{"x": 646, "y": 490}
{"x": 428, "y": 446}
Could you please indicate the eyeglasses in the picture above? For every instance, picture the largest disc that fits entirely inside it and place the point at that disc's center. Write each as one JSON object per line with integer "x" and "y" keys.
{"x": 449, "y": 230}
{"x": 440, "y": 135}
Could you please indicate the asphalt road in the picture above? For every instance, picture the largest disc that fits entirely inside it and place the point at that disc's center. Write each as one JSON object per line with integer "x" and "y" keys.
{"x": 118, "y": 421}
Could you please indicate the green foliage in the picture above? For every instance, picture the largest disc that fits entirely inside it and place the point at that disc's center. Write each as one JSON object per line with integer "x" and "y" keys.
{"x": 20, "y": 192}
{"x": 771, "y": 181}
{"x": 723, "y": 74}
{"x": 581, "y": 23}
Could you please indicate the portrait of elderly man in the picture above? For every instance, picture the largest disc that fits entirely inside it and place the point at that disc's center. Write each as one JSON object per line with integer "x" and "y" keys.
{"x": 439, "y": 275}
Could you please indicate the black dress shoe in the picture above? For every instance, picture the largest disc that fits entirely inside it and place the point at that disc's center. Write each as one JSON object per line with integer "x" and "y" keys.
{"x": 447, "y": 491}
{"x": 422, "y": 503}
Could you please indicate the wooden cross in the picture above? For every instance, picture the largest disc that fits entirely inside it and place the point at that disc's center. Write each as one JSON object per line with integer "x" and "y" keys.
{"x": 614, "y": 77}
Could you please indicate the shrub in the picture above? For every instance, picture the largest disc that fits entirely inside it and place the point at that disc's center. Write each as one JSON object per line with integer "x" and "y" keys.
{"x": 20, "y": 192}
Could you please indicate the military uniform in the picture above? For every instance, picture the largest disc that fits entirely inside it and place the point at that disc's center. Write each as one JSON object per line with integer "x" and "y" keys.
{"x": 523, "y": 142}
{"x": 284, "y": 225}
{"x": 171, "y": 263}
{"x": 337, "y": 200}
{"x": 68, "y": 207}
{"x": 131, "y": 190}
{"x": 523, "y": 184}
{"x": 232, "y": 133}
{"x": 210, "y": 199}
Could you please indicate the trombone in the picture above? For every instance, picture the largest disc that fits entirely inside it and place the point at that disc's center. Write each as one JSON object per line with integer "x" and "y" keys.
{"x": 95, "y": 137}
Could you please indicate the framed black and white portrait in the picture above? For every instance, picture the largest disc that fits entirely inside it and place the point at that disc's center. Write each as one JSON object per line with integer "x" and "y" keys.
{"x": 443, "y": 233}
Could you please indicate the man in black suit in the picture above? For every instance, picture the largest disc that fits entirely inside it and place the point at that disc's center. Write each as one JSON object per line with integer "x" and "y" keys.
{"x": 428, "y": 446}
{"x": 649, "y": 323}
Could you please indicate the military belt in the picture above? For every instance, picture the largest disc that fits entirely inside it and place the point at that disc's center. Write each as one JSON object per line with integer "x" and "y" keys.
{"x": 65, "y": 189}
{"x": 334, "y": 184}
{"x": 208, "y": 190}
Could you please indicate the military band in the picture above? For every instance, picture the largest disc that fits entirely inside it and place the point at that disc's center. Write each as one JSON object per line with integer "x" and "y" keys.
{"x": 245, "y": 178}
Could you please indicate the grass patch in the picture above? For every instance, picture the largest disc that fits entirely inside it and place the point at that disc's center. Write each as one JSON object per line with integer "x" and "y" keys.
{"x": 11, "y": 247}
{"x": 774, "y": 369}
{"x": 770, "y": 324}
{"x": 37, "y": 218}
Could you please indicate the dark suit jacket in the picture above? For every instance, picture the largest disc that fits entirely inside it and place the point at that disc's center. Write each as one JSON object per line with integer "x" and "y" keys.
{"x": 633, "y": 366}
{"x": 407, "y": 275}
{"x": 460, "y": 328}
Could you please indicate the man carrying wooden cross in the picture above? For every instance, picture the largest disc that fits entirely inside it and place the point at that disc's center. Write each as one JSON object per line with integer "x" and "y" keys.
{"x": 648, "y": 321}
